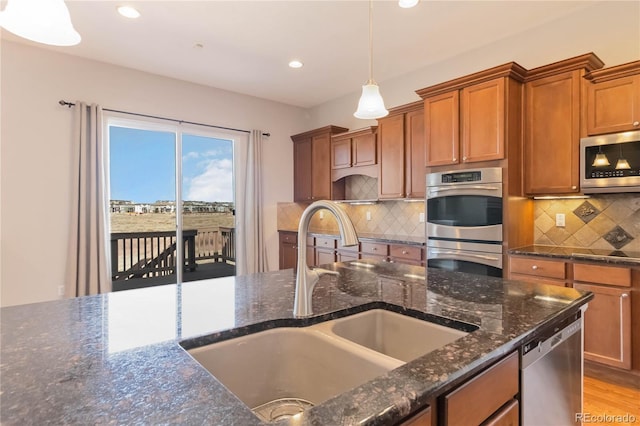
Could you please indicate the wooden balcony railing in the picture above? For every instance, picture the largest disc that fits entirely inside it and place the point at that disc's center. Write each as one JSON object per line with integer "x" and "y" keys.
{"x": 153, "y": 254}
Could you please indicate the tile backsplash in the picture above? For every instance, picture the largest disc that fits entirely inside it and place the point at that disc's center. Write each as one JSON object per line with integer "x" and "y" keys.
{"x": 609, "y": 222}
{"x": 396, "y": 218}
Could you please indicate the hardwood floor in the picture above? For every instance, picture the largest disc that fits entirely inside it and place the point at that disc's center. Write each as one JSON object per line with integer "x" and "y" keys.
{"x": 606, "y": 401}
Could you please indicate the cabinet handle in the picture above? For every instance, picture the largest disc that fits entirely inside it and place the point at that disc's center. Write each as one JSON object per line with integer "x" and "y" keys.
{"x": 624, "y": 295}
{"x": 574, "y": 187}
{"x": 375, "y": 249}
{"x": 464, "y": 158}
{"x": 405, "y": 252}
{"x": 534, "y": 267}
{"x": 454, "y": 159}
{"x": 636, "y": 123}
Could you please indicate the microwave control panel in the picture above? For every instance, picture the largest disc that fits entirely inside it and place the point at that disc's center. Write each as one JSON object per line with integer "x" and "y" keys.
{"x": 595, "y": 174}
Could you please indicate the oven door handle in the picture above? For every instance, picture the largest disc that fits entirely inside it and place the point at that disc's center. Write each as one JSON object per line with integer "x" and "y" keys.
{"x": 464, "y": 187}
{"x": 479, "y": 256}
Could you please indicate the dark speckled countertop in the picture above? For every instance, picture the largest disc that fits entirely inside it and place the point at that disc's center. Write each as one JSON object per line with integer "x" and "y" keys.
{"x": 364, "y": 236}
{"x": 117, "y": 359}
{"x": 613, "y": 257}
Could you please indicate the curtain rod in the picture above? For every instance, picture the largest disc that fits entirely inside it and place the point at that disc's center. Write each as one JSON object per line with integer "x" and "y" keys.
{"x": 70, "y": 104}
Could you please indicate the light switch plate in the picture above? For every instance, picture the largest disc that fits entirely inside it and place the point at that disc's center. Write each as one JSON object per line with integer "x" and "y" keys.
{"x": 421, "y": 217}
{"x": 560, "y": 220}
{"x": 368, "y": 215}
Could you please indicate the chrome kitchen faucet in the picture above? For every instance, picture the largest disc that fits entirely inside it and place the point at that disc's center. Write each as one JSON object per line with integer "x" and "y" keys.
{"x": 307, "y": 278}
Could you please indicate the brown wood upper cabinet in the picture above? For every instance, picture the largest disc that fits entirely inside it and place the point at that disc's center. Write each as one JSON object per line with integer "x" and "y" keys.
{"x": 312, "y": 163}
{"x": 401, "y": 152}
{"x": 552, "y": 125}
{"x": 354, "y": 149}
{"x": 613, "y": 99}
{"x": 466, "y": 119}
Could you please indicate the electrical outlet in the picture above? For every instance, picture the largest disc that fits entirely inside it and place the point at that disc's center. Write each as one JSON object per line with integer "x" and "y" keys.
{"x": 60, "y": 291}
{"x": 321, "y": 214}
{"x": 421, "y": 217}
{"x": 560, "y": 220}
{"x": 368, "y": 215}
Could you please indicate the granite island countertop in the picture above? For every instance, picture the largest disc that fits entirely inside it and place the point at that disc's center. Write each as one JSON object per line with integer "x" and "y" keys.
{"x": 116, "y": 358}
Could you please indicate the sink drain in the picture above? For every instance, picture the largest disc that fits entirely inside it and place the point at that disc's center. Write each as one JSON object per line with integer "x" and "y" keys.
{"x": 282, "y": 408}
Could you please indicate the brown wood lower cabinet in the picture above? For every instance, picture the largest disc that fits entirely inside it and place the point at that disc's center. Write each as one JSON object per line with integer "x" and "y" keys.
{"x": 288, "y": 251}
{"x": 483, "y": 397}
{"x": 423, "y": 418}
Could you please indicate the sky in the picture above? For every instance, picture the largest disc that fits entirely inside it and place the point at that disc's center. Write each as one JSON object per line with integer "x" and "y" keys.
{"x": 142, "y": 166}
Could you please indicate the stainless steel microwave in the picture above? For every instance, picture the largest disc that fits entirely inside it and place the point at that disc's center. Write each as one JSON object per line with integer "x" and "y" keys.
{"x": 610, "y": 163}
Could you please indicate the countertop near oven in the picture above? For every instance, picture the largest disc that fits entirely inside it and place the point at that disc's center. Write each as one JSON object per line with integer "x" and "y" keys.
{"x": 614, "y": 257}
{"x": 363, "y": 236}
{"x": 116, "y": 358}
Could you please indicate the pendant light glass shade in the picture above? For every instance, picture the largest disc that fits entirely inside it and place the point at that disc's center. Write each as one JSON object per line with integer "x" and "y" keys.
{"x": 622, "y": 163}
{"x": 406, "y": 4}
{"x": 42, "y": 21}
{"x": 370, "y": 105}
{"x": 601, "y": 159}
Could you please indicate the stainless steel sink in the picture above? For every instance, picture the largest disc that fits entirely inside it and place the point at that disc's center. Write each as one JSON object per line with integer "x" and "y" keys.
{"x": 280, "y": 372}
{"x": 392, "y": 334}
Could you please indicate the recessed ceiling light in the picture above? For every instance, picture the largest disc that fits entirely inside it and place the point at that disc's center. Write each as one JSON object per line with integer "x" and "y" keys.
{"x": 295, "y": 64}
{"x": 128, "y": 12}
{"x": 407, "y": 3}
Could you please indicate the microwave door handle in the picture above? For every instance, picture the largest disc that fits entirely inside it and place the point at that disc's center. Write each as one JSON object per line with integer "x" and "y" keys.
{"x": 479, "y": 256}
{"x": 462, "y": 188}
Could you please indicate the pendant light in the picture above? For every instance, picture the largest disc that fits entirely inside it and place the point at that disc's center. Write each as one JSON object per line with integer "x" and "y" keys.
{"x": 42, "y": 21}
{"x": 601, "y": 159}
{"x": 622, "y": 163}
{"x": 371, "y": 104}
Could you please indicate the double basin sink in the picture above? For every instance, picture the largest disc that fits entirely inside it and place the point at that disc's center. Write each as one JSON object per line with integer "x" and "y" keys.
{"x": 280, "y": 372}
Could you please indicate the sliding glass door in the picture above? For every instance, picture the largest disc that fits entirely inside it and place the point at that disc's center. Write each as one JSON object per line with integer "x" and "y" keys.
{"x": 171, "y": 203}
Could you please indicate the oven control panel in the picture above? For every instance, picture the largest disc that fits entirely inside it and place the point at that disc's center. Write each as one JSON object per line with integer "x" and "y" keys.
{"x": 474, "y": 176}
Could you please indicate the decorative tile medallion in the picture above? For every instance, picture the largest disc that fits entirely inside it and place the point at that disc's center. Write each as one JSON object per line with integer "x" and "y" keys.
{"x": 586, "y": 212}
{"x": 618, "y": 237}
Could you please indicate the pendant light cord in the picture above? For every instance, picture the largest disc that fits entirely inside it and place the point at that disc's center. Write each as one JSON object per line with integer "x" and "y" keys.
{"x": 371, "y": 42}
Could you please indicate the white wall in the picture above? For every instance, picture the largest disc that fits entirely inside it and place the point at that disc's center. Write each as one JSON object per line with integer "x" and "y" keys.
{"x": 610, "y": 29}
{"x": 36, "y": 152}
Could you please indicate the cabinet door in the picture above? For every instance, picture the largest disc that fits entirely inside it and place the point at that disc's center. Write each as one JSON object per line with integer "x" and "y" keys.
{"x": 341, "y": 153}
{"x": 483, "y": 124}
{"x": 442, "y": 123}
{"x": 321, "y": 167}
{"x": 325, "y": 256}
{"x": 607, "y": 326}
{"x": 552, "y": 134}
{"x": 302, "y": 170}
{"x": 415, "y": 153}
{"x": 364, "y": 150}
{"x": 391, "y": 155}
{"x": 288, "y": 251}
{"x": 613, "y": 106}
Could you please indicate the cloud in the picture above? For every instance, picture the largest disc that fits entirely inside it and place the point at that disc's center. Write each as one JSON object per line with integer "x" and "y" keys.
{"x": 215, "y": 183}
{"x": 190, "y": 155}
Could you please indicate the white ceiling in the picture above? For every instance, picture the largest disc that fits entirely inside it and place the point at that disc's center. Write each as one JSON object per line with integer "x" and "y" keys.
{"x": 247, "y": 44}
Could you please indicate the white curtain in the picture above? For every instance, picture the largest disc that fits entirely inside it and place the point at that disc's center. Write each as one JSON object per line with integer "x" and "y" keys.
{"x": 251, "y": 255}
{"x": 88, "y": 262}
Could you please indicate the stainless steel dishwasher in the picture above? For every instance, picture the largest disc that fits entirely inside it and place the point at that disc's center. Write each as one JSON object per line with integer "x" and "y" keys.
{"x": 551, "y": 368}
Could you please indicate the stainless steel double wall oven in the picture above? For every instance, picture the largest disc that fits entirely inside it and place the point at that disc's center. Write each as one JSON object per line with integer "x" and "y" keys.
{"x": 464, "y": 221}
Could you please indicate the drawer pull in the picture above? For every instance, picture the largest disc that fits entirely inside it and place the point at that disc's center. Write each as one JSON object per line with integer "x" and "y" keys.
{"x": 534, "y": 267}
{"x": 636, "y": 123}
{"x": 375, "y": 248}
{"x": 624, "y": 295}
{"x": 405, "y": 252}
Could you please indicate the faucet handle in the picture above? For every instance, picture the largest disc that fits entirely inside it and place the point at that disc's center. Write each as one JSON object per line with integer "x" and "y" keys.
{"x": 322, "y": 271}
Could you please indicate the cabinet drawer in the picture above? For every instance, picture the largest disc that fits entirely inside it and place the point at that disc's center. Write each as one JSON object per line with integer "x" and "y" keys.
{"x": 538, "y": 267}
{"x": 509, "y": 415}
{"x": 380, "y": 249}
{"x": 475, "y": 401}
{"x": 349, "y": 249}
{"x": 326, "y": 242}
{"x": 598, "y": 274}
{"x": 536, "y": 280}
{"x": 288, "y": 237}
{"x": 405, "y": 252}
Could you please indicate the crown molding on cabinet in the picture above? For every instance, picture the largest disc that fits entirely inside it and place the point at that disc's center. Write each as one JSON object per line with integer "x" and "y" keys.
{"x": 611, "y": 73}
